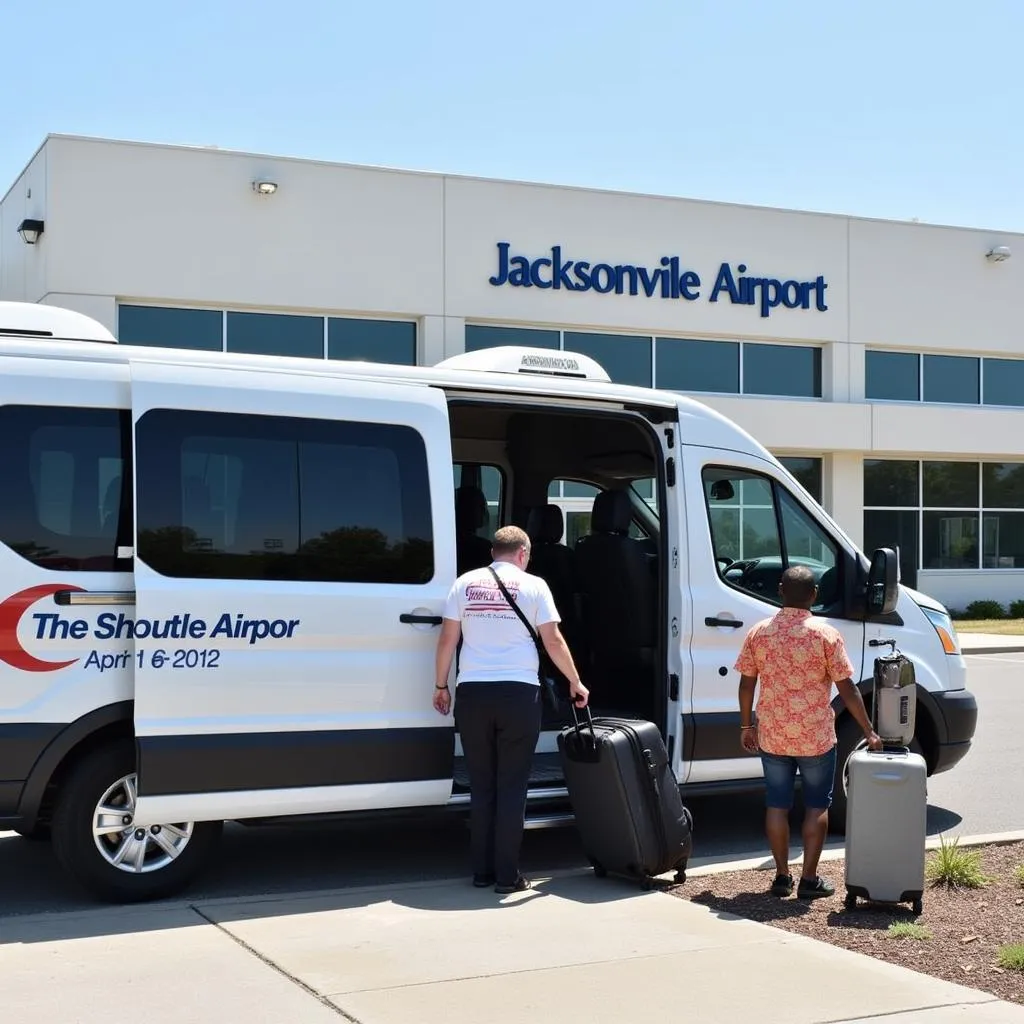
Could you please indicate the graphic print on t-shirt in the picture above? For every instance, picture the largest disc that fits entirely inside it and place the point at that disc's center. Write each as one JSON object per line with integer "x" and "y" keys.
{"x": 485, "y": 600}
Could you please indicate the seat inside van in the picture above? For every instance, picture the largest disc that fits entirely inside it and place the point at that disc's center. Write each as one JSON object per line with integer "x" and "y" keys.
{"x": 608, "y": 577}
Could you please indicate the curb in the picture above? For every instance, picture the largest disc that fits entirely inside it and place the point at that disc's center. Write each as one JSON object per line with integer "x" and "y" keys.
{"x": 836, "y": 851}
{"x": 992, "y": 650}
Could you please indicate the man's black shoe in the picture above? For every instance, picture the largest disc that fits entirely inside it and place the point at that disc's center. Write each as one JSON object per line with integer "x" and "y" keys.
{"x": 814, "y": 889}
{"x": 782, "y": 886}
{"x": 519, "y": 885}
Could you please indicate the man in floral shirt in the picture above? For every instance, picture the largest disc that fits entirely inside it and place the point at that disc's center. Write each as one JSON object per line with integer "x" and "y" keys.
{"x": 797, "y": 659}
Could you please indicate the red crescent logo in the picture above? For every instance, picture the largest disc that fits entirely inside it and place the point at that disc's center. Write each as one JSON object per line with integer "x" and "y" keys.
{"x": 11, "y": 612}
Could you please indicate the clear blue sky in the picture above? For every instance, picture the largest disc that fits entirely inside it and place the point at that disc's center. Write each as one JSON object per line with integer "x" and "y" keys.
{"x": 894, "y": 109}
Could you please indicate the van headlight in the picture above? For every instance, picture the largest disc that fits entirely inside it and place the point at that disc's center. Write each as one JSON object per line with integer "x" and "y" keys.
{"x": 944, "y": 627}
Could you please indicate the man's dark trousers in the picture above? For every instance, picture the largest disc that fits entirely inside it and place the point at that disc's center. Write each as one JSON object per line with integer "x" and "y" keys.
{"x": 499, "y": 724}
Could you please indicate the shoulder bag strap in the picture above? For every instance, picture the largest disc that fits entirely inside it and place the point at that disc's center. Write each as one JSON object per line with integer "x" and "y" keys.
{"x": 519, "y": 611}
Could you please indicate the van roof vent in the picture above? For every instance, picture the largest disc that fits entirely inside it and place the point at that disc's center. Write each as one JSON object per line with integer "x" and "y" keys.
{"x": 37, "y": 320}
{"x": 536, "y": 362}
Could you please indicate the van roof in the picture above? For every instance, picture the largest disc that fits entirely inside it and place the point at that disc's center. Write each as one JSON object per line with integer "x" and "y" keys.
{"x": 31, "y": 320}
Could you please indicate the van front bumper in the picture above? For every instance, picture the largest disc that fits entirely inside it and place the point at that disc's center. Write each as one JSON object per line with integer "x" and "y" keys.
{"x": 955, "y": 716}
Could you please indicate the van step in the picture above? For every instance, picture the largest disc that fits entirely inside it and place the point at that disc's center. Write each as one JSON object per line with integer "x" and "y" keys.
{"x": 549, "y": 821}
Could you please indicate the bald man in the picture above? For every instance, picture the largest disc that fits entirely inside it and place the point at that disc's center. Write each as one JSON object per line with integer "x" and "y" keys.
{"x": 797, "y": 658}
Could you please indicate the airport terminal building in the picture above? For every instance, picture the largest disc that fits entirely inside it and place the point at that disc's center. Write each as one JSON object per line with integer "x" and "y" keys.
{"x": 882, "y": 361}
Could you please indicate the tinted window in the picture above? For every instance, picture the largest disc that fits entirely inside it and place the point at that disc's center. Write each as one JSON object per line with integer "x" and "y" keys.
{"x": 375, "y": 341}
{"x": 64, "y": 477}
{"x": 1003, "y": 484}
{"x": 1004, "y": 381}
{"x": 490, "y": 480}
{"x": 273, "y": 334}
{"x": 490, "y": 337}
{"x": 807, "y": 544}
{"x": 949, "y": 540}
{"x": 1002, "y": 543}
{"x": 808, "y": 472}
{"x": 626, "y": 358}
{"x": 891, "y": 482}
{"x": 684, "y": 365}
{"x": 951, "y": 484}
{"x": 951, "y": 379}
{"x": 782, "y": 370}
{"x": 226, "y": 496}
{"x": 893, "y": 376}
{"x": 167, "y": 327}
{"x": 896, "y": 529}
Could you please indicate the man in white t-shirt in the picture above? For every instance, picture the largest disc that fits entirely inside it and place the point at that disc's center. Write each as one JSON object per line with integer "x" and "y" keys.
{"x": 498, "y": 706}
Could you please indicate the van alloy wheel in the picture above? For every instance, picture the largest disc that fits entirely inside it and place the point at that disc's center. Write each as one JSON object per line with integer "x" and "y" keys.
{"x": 130, "y": 848}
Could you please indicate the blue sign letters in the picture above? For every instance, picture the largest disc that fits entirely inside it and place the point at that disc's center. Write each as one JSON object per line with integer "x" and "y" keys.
{"x": 669, "y": 280}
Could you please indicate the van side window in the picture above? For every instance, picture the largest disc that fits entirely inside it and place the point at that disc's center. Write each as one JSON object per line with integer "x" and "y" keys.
{"x": 64, "y": 479}
{"x": 758, "y": 530}
{"x": 227, "y": 496}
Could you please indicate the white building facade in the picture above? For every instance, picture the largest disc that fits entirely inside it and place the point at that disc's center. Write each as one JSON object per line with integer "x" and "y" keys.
{"x": 883, "y": 361}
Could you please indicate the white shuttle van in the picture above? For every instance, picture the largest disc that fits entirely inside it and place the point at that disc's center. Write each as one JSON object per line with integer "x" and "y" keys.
{"x": 222, "y": 577}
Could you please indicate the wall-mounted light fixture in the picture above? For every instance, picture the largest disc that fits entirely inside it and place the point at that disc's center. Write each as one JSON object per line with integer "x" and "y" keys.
{"x": 30, "y": 230}
{"x": 264, "y": 188}
{"x": 998, "y": 254}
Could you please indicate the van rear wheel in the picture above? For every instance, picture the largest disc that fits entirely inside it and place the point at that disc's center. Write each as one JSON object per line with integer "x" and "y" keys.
{"x": 96, "y": 841}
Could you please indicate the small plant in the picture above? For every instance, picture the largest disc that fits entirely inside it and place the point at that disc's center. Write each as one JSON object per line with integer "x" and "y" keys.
{"x": 985, "y": 610}
{"x": 908, "y": 930}
{"x": 1011, "y": 958}
{"x": 1018, "y": 875}
{"x": 1017, "y": 609}
{"x": 956, "y": 868}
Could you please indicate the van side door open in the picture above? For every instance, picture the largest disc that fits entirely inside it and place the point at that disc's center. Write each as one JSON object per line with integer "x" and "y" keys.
{"x": 294, "y": 548}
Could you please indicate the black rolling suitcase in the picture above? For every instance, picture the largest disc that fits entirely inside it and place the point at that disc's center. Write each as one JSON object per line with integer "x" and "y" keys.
{"x": 625, "y": 798}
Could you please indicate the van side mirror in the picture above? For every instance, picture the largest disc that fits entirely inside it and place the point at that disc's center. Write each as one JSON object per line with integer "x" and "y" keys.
{"x": 883, "y": 588}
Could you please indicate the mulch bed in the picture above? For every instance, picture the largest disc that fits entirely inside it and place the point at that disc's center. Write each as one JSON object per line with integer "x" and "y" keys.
{"x": 967, "y": 926}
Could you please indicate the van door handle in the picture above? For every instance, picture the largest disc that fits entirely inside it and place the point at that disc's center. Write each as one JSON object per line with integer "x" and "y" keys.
{"x": 714, "y": 621}
{"x": 65, "y": 598}
{"x": 420, "y": 620}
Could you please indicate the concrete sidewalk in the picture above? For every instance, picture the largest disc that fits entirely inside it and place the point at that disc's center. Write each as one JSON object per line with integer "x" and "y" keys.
{"x": 989, "y": 643}
{"x": 575, "y": 949}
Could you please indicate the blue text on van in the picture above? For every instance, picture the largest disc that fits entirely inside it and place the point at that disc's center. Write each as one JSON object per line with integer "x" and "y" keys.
{"x": 118, "y": 626}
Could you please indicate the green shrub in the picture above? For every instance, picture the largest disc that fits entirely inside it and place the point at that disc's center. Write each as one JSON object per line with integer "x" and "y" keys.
{"x": 1011, "y": 958}
{"x": 956, "y": 868}
{"x": 1017, "y": 609}
{"x": 1018, "y": 875}
{"x": 956, "y": 613}
{"x": 907, "y": 930}
{"x": 985, "y": 610}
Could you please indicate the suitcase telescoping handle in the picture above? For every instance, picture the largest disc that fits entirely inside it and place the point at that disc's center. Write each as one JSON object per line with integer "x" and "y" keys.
{"x": 579, "y": 724}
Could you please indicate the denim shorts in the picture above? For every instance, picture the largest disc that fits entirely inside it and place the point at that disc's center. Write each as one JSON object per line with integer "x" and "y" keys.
{"x": 817, "y": 775}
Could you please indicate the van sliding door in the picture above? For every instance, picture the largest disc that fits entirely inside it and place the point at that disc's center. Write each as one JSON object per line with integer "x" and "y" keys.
{"x": 294, "y": 548}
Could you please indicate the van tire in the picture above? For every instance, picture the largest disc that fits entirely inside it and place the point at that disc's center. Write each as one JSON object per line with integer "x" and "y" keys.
{"x": 76, "y": 848}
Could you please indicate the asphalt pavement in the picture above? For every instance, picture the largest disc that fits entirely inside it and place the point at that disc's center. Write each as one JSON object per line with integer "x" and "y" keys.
{"x": 968, "y": 800}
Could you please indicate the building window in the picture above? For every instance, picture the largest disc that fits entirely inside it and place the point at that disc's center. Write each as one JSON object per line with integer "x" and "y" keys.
{"x": 374, "y": 341}
{"x": 966, "y": 515}
{"x": 791, "y": 370}
{"x": 1004, "y": 381}
{"x": 67, "y": 505}
{"x": 808, "y": 473}
{"x": 625, "y": 357}
{"x": 228, "y": 496}
{"x": 276, "y": 334}
{"x": 478, "y": 337}
{"x": 171, "y": 327}
{"x": 893, "y": 376}
{"x": 686, "y": 365}
{"x": 954, "y": 379}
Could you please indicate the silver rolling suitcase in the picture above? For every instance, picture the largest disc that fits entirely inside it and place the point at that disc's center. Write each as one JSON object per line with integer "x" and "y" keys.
{"x": 886, "y": 812}
{"x": 887, "y": 796}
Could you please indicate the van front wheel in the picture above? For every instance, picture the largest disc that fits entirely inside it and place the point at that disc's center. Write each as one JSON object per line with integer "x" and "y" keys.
{"x": 96, "y": 841}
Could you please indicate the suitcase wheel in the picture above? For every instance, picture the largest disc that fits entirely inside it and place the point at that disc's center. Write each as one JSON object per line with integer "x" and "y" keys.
{"x": 600, "y": 871}
{"x": 850, "y": 902}
{"x": 918, "y": 907}
{"x": 680, "y": 877}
